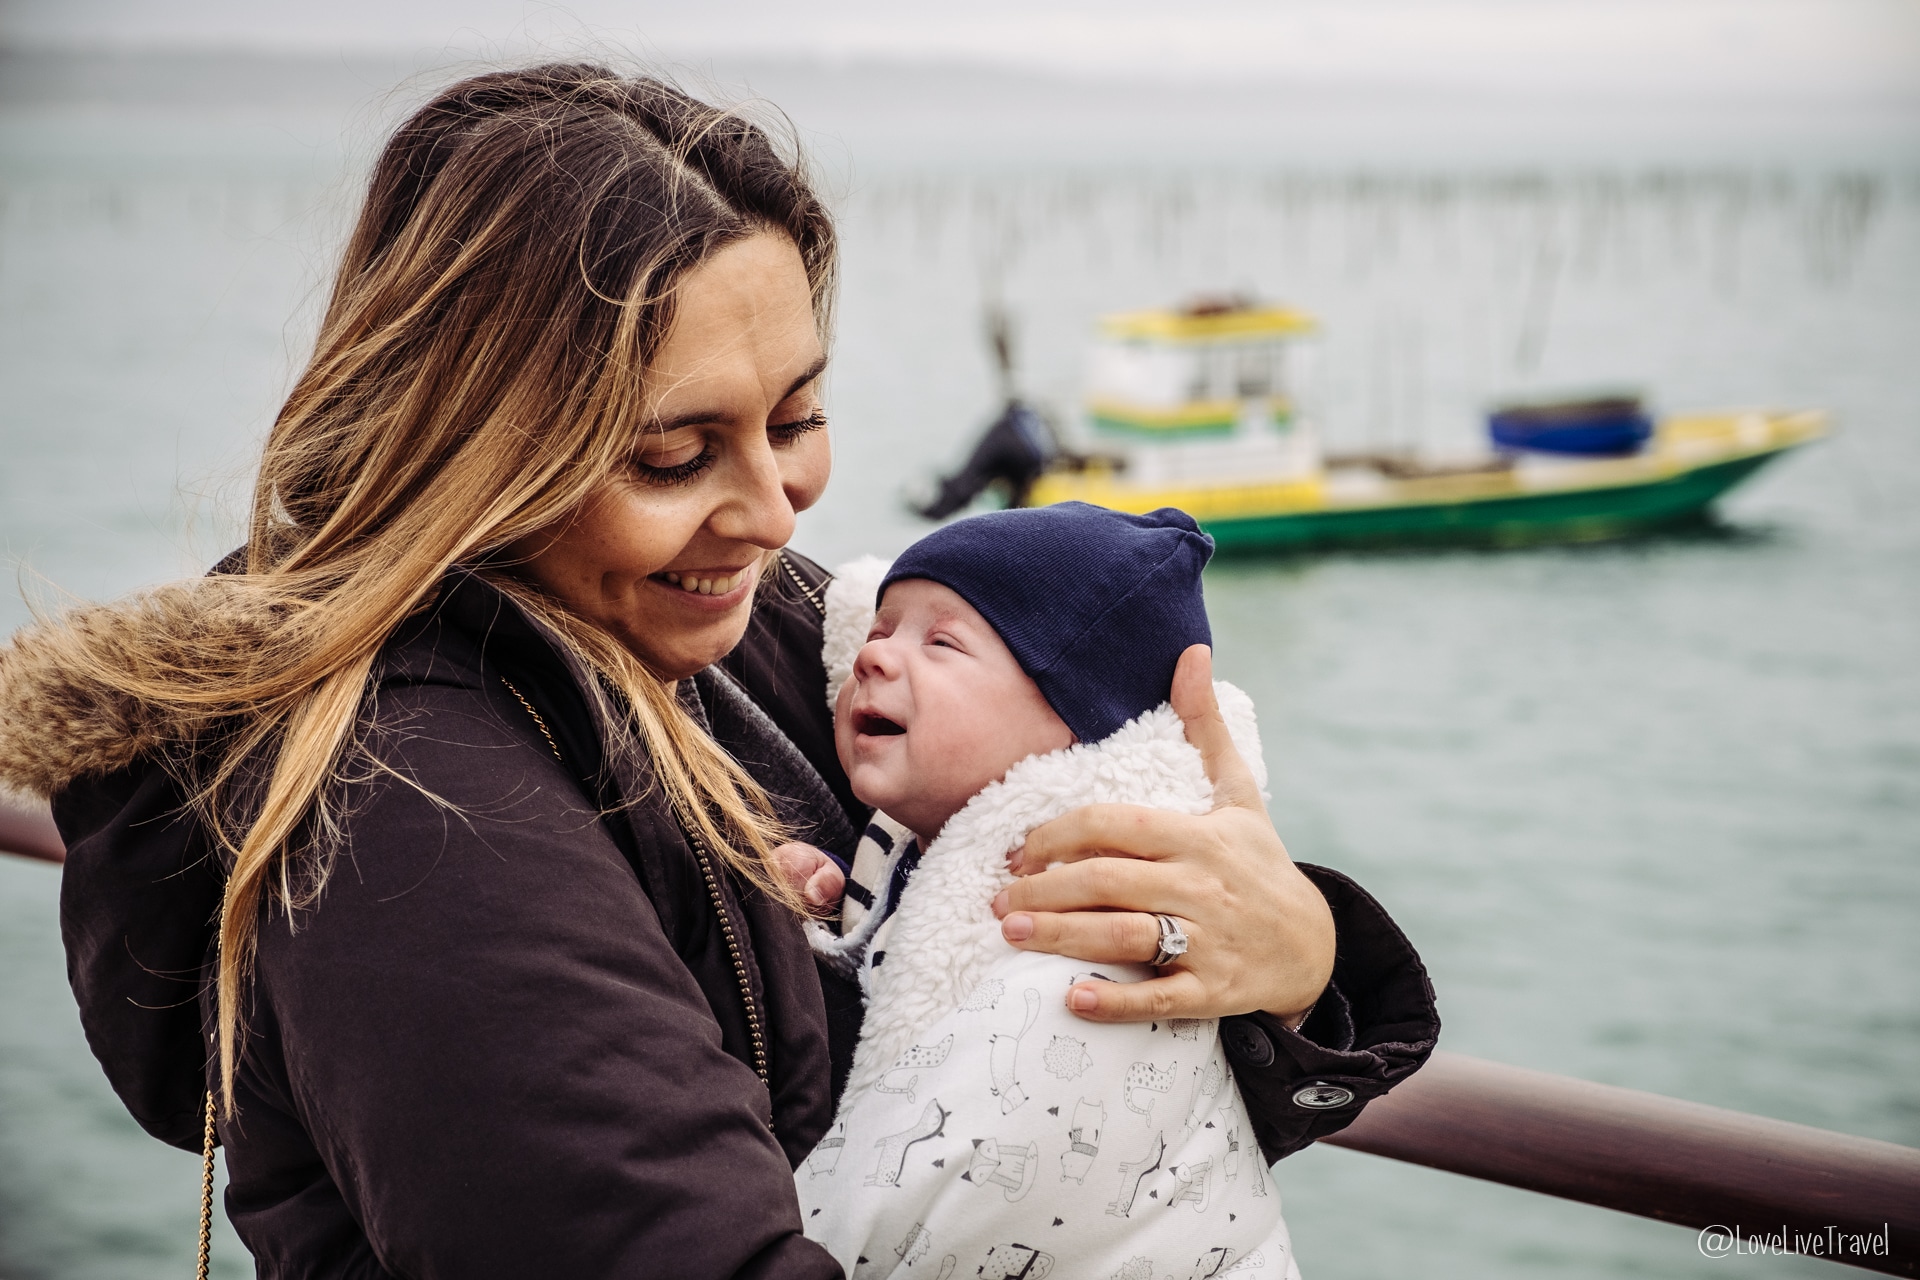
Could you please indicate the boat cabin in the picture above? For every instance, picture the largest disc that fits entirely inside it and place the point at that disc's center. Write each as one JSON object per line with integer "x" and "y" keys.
{"x": 1217, "y": 389}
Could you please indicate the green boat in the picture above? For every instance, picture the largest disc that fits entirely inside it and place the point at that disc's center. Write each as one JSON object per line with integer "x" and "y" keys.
{"x": 1377, "y": 502}
{"x": 1201, "y": 409}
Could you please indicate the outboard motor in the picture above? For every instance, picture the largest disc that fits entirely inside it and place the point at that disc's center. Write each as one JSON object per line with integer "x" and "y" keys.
{"x": 1013, "y": 453}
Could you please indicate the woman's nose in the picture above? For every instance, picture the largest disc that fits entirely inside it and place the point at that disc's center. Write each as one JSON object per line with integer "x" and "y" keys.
{"x": 755, "y": 508}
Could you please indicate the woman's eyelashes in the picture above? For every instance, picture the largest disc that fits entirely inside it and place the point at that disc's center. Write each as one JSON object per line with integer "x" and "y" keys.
{"x": 668, "y": 474}
{"x": 786, "y": 431}
{"x": 676, "y": 473}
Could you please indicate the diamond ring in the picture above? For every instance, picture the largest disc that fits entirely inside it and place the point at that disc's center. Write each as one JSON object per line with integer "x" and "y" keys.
{"x": 1173, "y": 941}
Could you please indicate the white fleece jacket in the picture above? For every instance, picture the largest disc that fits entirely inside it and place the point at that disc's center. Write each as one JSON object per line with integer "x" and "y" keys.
{"x": 988, "y": 1132}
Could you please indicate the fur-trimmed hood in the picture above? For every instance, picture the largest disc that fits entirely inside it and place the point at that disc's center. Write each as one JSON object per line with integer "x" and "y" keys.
{"x": 65, "y": 709}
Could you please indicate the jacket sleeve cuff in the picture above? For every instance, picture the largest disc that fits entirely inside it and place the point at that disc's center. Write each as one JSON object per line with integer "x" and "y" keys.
{"x": 1373, "y": 1027}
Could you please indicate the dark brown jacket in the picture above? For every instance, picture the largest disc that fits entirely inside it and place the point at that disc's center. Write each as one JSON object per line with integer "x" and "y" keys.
{"x": 516, "y": 1036}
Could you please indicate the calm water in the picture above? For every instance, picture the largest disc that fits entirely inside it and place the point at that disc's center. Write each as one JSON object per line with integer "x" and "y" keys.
{"x": 1650, "y": 811}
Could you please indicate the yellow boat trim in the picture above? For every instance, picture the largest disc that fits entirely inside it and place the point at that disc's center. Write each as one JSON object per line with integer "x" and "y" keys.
{"x": 1177, "y": 326}
{"x": 1203, "y": 503}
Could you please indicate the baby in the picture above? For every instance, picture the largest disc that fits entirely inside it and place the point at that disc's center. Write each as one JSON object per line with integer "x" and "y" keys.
{"x": 1017, "y": 666}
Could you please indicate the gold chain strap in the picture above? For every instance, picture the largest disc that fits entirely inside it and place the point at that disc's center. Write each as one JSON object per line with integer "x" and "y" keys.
{"x": 207, "y": 1136}
{"x": 536, "y": 718}
{"x": 206, "y": 1194}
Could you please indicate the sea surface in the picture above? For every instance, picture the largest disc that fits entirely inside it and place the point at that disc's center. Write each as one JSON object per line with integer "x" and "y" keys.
{"x": 1650, "y": 811}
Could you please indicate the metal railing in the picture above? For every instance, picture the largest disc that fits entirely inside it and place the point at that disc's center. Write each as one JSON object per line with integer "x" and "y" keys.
{"x": 1771, "y": 1184}
{"x": 1680, "y": 1162}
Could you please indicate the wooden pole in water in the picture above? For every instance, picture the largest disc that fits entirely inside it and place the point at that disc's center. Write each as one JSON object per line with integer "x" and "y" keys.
{"x": 1680, "y": 1162}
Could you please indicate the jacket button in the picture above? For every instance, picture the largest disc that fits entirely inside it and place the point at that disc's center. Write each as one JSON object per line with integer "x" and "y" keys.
{"x": 1252, "y": 1044}
{"x": 1322, "y": 1097}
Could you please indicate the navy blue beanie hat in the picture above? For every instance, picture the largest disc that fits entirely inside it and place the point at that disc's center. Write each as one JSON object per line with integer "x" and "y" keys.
{"x": 1096, "y": 605}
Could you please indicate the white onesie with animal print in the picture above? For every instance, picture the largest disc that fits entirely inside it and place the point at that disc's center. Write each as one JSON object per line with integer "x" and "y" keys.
{"x": 985, "y": 1130}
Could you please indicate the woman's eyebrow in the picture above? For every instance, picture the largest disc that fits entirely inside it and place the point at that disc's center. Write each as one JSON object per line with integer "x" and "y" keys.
{"x": 706, "y": 417}
{"x": 814, "y": 370}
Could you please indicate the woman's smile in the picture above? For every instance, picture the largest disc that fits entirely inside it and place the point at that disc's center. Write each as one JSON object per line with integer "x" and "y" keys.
{"x": 716, "y": 589}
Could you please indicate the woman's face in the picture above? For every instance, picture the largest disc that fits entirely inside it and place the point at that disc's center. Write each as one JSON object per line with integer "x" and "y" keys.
{"x": 666, "y": 556}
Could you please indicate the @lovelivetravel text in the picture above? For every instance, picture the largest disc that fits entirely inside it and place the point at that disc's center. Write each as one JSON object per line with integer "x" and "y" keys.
{"x": 1821, "y": 1242}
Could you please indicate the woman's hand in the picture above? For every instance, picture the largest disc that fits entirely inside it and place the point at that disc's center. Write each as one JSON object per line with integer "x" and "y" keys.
{"x": 1091, "y": 882}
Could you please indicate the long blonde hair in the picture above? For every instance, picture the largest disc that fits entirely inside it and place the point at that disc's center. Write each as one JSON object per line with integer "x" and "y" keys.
{"x": 479, "y": 370}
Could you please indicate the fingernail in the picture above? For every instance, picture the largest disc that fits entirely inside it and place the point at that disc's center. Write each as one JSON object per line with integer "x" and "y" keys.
{"x": 1082, "y": 1000}
{"x": 1013, "y": 859}
{"x": 1017, "y": 928}
{"x": 1000, "y": 903}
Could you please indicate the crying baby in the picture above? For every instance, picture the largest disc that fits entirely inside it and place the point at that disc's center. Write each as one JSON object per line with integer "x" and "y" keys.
{"x": 1004, "y": 670}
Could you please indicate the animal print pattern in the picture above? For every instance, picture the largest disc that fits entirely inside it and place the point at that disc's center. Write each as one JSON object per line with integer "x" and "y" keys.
{"x": 984, "y": 996}
{"x": 1135, "y": 1172}
{"x": 1083, "y": 1140}
{"x": 1190, "y": 1184}
{"x": 893, "y": 1148}
{"x": 914, "y": 1247}
{"x": 1009, "y": 1166}
{"x": 1066, "y": 1058}
{"x": 1015, "y": 1262}
{"x": 1015, "y": 1139}
{"x": 1144, "y": 1078}
{"x": 1006, "y": 1058}
{"x": 826, "y": 1157}
{"x": 1206, "y": 1083}
{"x": 908, "y": 1064}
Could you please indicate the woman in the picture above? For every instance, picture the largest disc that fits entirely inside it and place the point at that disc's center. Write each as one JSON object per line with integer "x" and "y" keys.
{"x": 453, "y": 798}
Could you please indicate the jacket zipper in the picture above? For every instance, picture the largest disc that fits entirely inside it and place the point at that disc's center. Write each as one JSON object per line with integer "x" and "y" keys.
{"x": 739, "y": 961}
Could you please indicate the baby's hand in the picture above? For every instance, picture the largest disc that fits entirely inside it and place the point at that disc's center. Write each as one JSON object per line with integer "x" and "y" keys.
{"x": 818, "y": 878}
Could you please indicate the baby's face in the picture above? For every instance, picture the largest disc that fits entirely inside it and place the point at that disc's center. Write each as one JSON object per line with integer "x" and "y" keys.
{"x": 936, "y": 709}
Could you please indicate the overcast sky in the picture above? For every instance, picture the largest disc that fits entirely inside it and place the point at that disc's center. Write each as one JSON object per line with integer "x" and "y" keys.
{"x": 1686, "y": 48}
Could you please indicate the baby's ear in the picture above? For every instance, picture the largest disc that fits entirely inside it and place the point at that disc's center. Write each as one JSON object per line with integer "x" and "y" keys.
{"x": 851, "y": 600}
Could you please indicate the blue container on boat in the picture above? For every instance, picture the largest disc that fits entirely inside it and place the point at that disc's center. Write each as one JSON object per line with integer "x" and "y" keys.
{"x": 1586, "y": 428}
